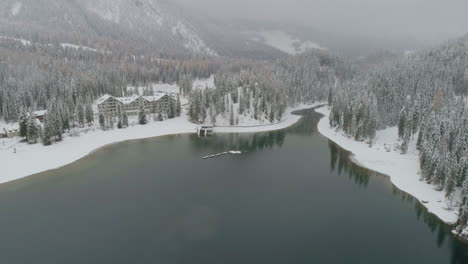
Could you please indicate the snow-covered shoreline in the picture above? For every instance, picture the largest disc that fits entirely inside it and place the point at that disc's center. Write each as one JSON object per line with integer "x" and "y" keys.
{"x": 32, "y": 159}
{"x": 401, "y": 169}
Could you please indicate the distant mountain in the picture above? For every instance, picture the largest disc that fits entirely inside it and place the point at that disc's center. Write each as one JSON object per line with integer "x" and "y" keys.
{"x": 139, "y": 24}
{"x": 153, "y": 26}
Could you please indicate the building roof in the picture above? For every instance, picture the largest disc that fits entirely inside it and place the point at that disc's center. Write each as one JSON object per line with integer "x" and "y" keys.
{"x": 9, "y": 128}
{"x": 40, "y": 113}
{"x": 130, "y": 99}
{"x": 155, "y": 97}
{"x": 103, "y": 98}
{"x": 127, "y": 100}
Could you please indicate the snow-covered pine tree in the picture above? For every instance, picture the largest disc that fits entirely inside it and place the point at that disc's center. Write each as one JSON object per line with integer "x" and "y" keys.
{"x": 124, "y": 119}
{"x": 231, "y": 116}
{"x": 172, "y": 111}
{"x": 32, "y": 129}
{"x": 89, "y": 114}
{"x": 119, "y": 117}
{"x": 178, "y": 106}
{"x": 80, "y": 114}
{"x": 402, "y": 122}
{"x": 102, "y": 121}
{"x": 47, "y": 132}
{"x": 23, "y": 124}
{"x": 142, "y": 120}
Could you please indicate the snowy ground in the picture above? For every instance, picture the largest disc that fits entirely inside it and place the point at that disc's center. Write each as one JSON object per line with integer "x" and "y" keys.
{"x": 403, "y": 170}
{"x": 201, "y": 84}
{"x": 289, "y": 119}
{"x": 76, "y": 47}
{"x": 18, "y": 160}
{"x": 24, "y": 42}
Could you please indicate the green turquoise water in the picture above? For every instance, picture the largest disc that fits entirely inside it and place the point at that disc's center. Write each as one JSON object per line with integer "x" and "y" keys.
{"x": 291, "y": 197}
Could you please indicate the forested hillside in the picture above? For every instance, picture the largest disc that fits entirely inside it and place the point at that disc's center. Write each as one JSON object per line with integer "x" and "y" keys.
{"x": 424, "y": 95}
{"x": 262, "y": 91}
{"x": 150, "y": 27}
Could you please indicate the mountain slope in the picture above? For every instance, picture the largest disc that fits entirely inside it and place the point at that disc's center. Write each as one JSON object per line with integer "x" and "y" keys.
{"x": 145, "y": 26}
{"x": 137, "y": 24}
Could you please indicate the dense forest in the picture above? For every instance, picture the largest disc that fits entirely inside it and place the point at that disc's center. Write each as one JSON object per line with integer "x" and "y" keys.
{"x": 262, "y": 91}
{"x": 424, "y": 95}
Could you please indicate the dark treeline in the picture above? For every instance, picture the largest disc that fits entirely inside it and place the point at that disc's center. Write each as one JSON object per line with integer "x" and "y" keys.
{"x": 424, "y": 95}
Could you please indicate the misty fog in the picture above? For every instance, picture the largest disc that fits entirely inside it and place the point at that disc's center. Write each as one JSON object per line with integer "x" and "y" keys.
{"x": 421, "y": 20}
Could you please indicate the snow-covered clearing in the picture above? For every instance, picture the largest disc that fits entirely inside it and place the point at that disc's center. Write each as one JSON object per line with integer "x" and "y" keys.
{"x": 109, "y": 11}
{"x": 77, "y": 47}
{"x": 285, "y": 42}
{"x": 155, "y": 87}
{"x": 288, "y": 120}
{"x": 403, "y": 170}
{"x": 24, "y": 42}
{"x": 19, "y": 160}
{"x": 16, "y": 8}
{"x": 200, "y": 84}
{"x": 191, "y": 40}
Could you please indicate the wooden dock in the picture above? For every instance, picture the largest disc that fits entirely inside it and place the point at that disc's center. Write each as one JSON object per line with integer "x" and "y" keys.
{"x": 205, "y": 130}
{"x": 222, "y": 154}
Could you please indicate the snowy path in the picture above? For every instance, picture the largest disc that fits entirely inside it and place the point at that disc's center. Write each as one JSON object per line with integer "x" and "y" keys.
{"x": 32, "y": 159}
{"x": 402, "y": 169}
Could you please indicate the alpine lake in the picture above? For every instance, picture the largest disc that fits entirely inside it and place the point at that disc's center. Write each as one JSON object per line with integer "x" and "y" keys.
{"x": 292, "y": 196}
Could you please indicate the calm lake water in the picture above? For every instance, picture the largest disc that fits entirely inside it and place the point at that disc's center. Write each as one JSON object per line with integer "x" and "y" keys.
{"x": 292, "y": 197}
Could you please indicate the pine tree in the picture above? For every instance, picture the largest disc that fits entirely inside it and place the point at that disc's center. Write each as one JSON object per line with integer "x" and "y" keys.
{"x": 119, "y": 117}
{"x": 64, "y": 117}
{"x": 154, "y": 109}
{"x": 178, "y": 107}
{"x": 415, "y": 121}
{"x": 402, "y": 123}
{"x": 231, "y": 118}
{"x": 23, "y": 124}
{"x": 420, "y": 139}
{"x": 89, "y": 114}
{"x": 32, "y": 129}
{"x": 47, "y": 133}
{"x": 142, "y": 116}
{"x": 272, "y": 116}
{"x": 111, "y": 121}
{"x": 102, "y": 121}
{"x": 124, "y": 119}
{"x": 463, "y": 212}
{"x": 171, "y": 113}
{"x": 58, "y": 127}
{"x": 80, "y": 114}
{"x": 404, "y": 145}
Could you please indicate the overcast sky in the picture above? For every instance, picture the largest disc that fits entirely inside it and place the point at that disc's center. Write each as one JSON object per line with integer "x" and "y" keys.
{"x": 420, "y": 19}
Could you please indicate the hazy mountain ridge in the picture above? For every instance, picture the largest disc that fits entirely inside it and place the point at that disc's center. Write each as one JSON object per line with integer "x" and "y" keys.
{"x": 140, "y": 24}
{"x": 162, "y": 27}
{"x": 153, "y": 26}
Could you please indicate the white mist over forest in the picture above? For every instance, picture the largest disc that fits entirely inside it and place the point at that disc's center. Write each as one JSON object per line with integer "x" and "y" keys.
{"x": 422, "y": 20}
